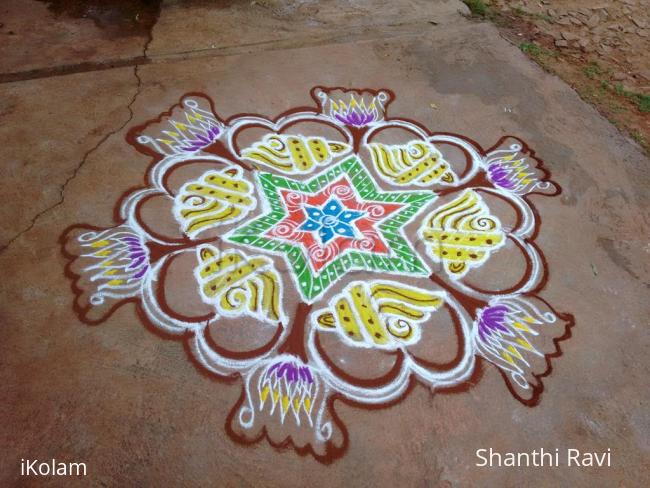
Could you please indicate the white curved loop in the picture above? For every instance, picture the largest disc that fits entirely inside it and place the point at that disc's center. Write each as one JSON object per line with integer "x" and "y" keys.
{"x": 129, "y": 208}
{"x": 465, "y": 366}
{"x": 155, "y": 313}
{"x": 219, "y": 364}
{"x": 536, "y": 275}
{"x": 201, "y": 350}
{"x": 403, "y": 124}
{"x": 529, "y": 221}
{"x": 393, "y": 390}
{"x": 242, "y": 122}
{"x": 475, "y": 156}
{"x": 158, "y": 172}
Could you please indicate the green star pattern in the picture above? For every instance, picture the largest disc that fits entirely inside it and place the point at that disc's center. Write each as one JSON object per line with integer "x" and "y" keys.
{"x": 403, "y": 259}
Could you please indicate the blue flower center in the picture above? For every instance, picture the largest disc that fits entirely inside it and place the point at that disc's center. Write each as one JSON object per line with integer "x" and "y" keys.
{"x": 330, "y": 220}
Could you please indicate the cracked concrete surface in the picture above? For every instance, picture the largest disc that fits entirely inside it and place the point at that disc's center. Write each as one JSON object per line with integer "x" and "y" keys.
{"x": 131, "y": 404}
{"x": 54, "y": 71}
{"x": 78, "y": 167}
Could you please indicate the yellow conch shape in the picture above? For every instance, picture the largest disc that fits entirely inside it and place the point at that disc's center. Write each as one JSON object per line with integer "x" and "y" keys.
{"x": 294, "y": 153}
{"x": 380, "y": 314}
{"x": 462, "y": 234}
{"x": 216, "y": 198}
{"x": 237, "y": 284}
{"x": 415, "y": 163}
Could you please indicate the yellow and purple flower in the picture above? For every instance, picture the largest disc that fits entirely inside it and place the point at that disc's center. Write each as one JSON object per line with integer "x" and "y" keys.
{"x": 285, "y": 385}
{"x": 110, "y": 265}
{"x": 202, "y": 138}
{"x": 501, "y": 176}
{"x": 354, "y": 113}
{"x": 510, "y": 333}
{"x": 352, "y": 107}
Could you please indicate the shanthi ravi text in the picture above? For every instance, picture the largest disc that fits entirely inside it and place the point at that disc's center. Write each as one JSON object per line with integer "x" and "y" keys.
{"x": 569, "y": 457}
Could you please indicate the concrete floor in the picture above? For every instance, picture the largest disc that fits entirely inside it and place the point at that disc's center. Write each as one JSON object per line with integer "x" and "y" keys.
{"x": 134, "y": 407}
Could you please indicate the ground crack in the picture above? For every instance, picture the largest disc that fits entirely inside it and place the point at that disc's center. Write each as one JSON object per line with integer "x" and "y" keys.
{"x": 87, "y": 154}
{"x": 83, "y": 161}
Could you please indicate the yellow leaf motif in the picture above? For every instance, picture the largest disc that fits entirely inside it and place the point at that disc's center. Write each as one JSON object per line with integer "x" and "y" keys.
{"x": 216, "y": 198}
{"x": 294, "y": 153}
{"x": 462, "y": 234}
{"x": 415, "y": 163}
{"x": 380, "y": 314}
{"x": 237, "y": 284}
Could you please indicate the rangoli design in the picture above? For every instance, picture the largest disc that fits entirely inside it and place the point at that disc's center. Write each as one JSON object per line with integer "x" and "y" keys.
{"x": 332, "y": 254}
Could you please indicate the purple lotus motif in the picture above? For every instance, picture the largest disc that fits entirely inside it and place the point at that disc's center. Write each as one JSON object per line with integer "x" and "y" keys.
{"x": 293, "y": 372}
{"x": 356, "y": 114}
{"x": 492, "y": 320}
{"x": 510, "y": 165}
{"x": 288, "y": 385}
{"x": 356, "y": 118}
{"x": 137, "y": 257}
{"x": 501, "y": 176}
{"x": 202, "y": 140}
{"x": 355, "y": 108}
{"x": 285, "y": 400}
{"x": 113, "y": 262}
